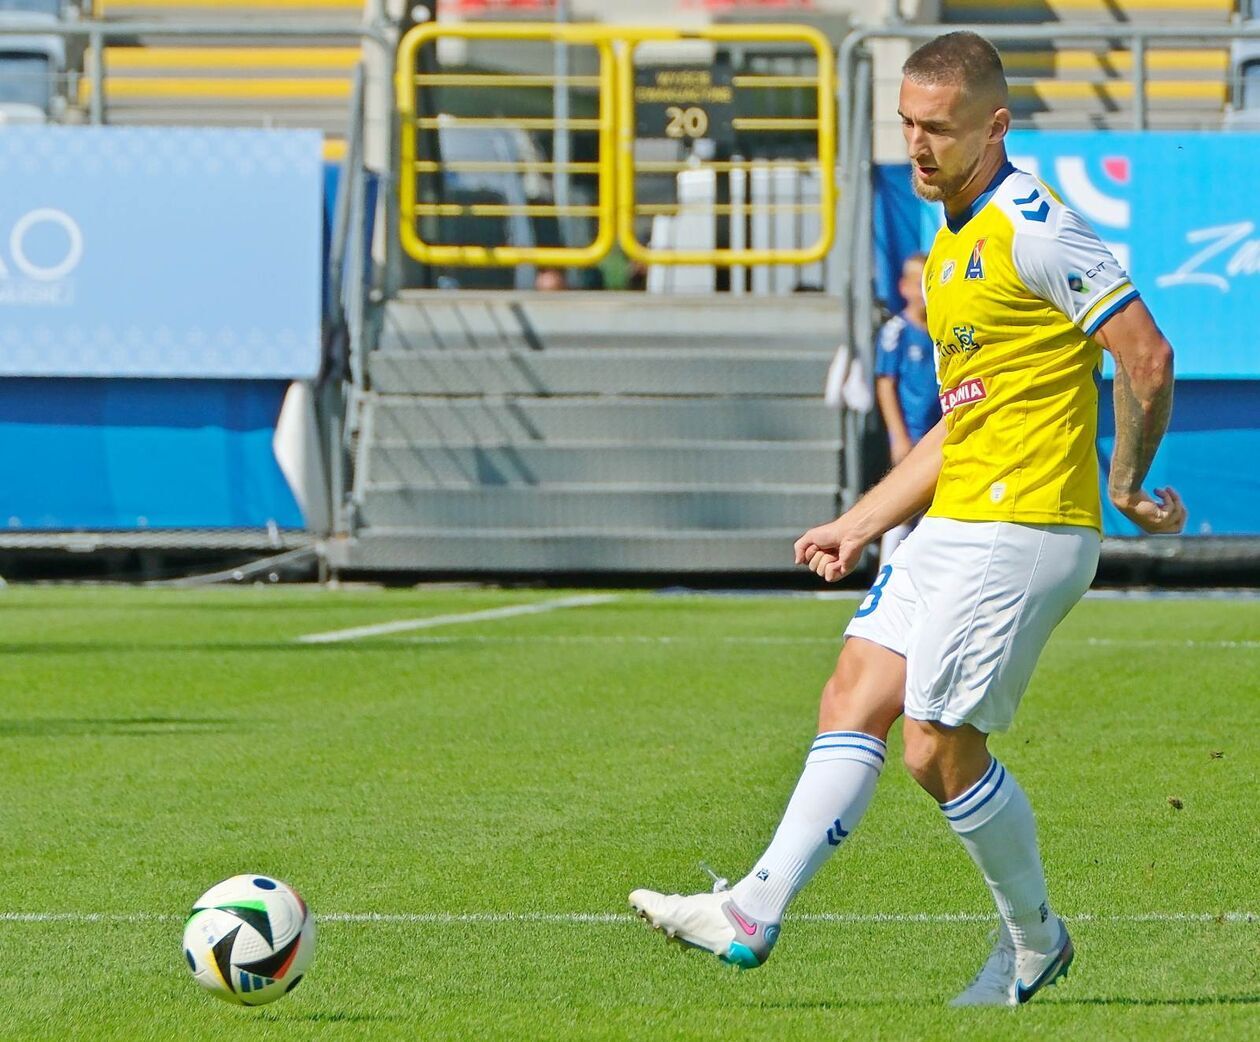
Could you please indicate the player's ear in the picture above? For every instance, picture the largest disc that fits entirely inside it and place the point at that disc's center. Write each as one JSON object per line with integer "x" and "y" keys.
{"x": 999, "y": 125}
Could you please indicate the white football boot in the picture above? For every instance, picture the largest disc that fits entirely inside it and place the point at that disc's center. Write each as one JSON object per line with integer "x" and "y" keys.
{"x": 1000, "y": 981}
{"x": 1041, "y": 971}
{"x": 992, "y": 985}
{"x": 708, "y": 921}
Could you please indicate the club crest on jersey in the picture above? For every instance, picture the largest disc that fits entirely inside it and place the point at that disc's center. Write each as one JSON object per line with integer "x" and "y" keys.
{"x": 947, "y": 271}
{"x": 975, "y": 266}
{"x": 964, "y": 394}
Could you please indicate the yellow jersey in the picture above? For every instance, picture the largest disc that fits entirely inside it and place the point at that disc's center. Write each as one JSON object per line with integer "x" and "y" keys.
{"x": 1015, "y": 288}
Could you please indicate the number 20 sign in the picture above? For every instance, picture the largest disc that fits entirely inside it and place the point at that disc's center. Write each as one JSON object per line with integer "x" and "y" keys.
{"x": 683, "y": 102}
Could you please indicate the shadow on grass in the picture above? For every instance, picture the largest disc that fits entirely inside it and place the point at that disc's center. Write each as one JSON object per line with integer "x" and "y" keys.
{"x": 1185, "y": 1000}
{"x": 138, "y": 726}
{"x": 1099, "y": 1000}
{"x": 339, "y": 1017}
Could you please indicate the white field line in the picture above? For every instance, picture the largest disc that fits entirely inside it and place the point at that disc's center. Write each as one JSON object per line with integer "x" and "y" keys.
{"x": 612, "y": 638}
{"x": 623, "y": 638}
{"x": 1106, "y": 642}
{"x": 432, "y": 621}
{"x": 618, "y": 918}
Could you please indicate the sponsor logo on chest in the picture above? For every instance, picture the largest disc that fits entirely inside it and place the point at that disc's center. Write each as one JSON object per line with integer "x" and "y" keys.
{"x": 964, "y": 394}
{"x": 963, "y": 342}
{"x": 975, "y": 266}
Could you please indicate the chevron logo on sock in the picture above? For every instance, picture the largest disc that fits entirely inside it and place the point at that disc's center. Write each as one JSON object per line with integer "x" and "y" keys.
{"x": 836, "y": 833}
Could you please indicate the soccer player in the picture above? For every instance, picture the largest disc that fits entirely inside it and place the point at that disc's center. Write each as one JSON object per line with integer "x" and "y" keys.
{"x": 1022, "y": 297}
{"x": 905, "y": 380}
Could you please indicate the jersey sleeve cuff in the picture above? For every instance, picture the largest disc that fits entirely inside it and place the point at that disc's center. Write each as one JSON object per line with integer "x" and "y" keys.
{"x": 1106, "y": 306}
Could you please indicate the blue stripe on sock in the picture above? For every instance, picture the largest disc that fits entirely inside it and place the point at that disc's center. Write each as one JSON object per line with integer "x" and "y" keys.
{"x": 993, "y": 766}
{"x": 992, "y": 792}
{"x": 850, "y": 734}
{"x": 849, "y": 745}
{"x": 874, "y": 744}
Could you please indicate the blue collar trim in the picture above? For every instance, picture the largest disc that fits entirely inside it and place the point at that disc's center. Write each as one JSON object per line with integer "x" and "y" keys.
{"x": 955, "y": 223}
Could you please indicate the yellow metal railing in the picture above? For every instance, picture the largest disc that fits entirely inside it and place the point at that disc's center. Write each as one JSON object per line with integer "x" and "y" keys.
{"x": 822, "y": 128}
{"x": 616, "y": 211}
{"x": 414, "y": 166}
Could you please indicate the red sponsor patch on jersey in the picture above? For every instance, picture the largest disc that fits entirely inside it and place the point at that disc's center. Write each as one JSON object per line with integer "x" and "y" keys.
{"x": 964, "y": 394}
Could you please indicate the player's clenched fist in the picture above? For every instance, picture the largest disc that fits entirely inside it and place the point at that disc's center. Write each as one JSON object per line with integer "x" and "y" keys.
{"x": 830, "y": 550}
{"x": 1163, "y": 515}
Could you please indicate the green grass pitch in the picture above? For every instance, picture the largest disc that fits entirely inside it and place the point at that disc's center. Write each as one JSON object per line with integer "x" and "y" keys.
{"x": 506, "y": 782}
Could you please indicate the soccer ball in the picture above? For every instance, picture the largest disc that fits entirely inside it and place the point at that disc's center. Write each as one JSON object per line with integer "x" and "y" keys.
{"x": 249, "y": 939}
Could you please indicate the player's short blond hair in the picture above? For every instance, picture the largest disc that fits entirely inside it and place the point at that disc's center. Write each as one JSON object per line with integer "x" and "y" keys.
{"x": 963, "y": 58}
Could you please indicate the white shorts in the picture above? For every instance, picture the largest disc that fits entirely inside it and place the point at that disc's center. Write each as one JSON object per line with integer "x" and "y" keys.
{"x": 970, "y": 604}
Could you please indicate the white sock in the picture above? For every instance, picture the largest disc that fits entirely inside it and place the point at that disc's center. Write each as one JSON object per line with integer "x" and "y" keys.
{"x": 995, "y": 823}
{"x": 833, "y": 793}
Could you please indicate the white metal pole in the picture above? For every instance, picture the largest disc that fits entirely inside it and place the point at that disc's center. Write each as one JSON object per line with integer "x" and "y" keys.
{"x": 560, "y": 136}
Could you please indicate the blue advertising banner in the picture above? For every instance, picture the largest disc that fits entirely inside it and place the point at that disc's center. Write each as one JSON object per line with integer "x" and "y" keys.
{"x": 1178, "y": 212}
{"x": 157, "y": 252}
{"x": 104, "y": 454}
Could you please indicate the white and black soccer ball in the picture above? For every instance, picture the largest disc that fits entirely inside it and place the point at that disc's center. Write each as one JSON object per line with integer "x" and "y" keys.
{"x": 249, "y": 939}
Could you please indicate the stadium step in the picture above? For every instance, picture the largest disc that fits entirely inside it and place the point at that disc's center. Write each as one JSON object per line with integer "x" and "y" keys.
{"x": 747, "y": 463}
{"x": 596, "y": 507}
{"x": 554, "y": 551}
{"x": 601, "y": 321}
{"x": 1107, "y": 64}
{"x": 157, "y": 61}
{"x": 230, "y": 10}
{"x": 531, "y": 432}
{"x": 212, "y": 83}
{"x": 1087, "y": 98}
{"x": 1181, "y": 12}
{"x": 609, "y": 420}
{"x": 1183, "y": 119}
{"x": 574, "y": 372}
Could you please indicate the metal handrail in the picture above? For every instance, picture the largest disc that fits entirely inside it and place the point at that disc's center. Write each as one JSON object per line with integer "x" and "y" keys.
{"x": 334, "y": 306}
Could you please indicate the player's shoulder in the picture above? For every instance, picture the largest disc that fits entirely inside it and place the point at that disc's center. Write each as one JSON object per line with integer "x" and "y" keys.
{"x": 1047, "y": 233}
{"x": 1032, "y": 208}
{"x": 891, "y": 333}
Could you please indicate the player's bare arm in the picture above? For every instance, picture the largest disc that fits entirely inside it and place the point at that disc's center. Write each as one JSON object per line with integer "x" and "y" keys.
{"x": 831, "y": 550}
{"x": 899, "y": 439}
{"x": 1143, "y": 402}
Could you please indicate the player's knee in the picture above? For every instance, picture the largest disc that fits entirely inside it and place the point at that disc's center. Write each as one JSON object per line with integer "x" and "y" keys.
{"x": 921, "y": 754}
{"x": 919, "y": 760}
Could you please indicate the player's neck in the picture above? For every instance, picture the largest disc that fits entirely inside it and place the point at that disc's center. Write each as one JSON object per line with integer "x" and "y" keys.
{"x": 977, "y": 184}
{"x": 915, "y": 315}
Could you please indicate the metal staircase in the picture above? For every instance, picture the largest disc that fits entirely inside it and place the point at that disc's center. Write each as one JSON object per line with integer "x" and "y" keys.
{"x": 534, "y": 432}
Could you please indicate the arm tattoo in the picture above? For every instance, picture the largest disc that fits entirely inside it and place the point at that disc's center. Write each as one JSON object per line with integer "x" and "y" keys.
{"x": 1140, "y": 424}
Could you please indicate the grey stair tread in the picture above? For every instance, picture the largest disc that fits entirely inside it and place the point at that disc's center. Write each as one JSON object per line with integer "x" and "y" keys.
{"x": 600, "y": 320}
{"x": 1063, "y": 119}
{"x": 1118, "y": 15}
{"x": 547, "y": 508}
{"x": 327, "y": 121}
{"x": 1083, "y": 108}
{"x": 797, "y": 462}
{"x": 463, "y": 372}
{"x": 766, "y": 551}
{"x": 611, "y": 420}
{"x": 516, "y": 432}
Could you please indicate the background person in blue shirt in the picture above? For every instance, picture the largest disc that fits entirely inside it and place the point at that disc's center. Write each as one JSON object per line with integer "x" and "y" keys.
{"x": 905, "y": 379}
